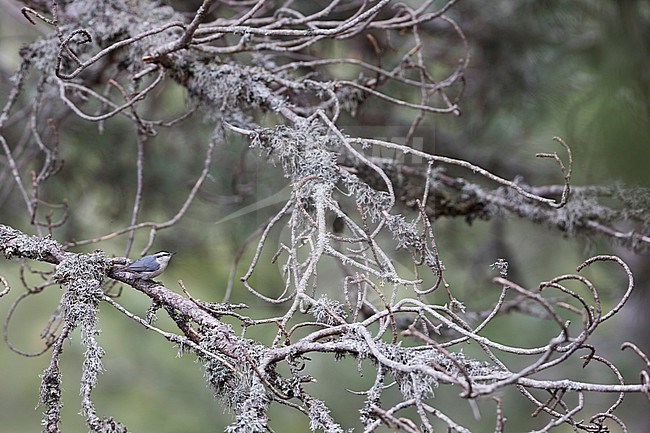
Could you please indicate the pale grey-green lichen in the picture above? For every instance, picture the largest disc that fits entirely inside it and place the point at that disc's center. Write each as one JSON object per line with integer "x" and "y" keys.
{"x": 15, "y": 243}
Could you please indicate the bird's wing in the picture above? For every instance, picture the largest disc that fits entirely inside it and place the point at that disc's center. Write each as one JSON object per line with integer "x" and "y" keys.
{"x": 138, "y": 266}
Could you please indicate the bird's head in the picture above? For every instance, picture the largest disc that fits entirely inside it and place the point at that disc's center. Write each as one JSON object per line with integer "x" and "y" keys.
{"x": 163, "y": 257}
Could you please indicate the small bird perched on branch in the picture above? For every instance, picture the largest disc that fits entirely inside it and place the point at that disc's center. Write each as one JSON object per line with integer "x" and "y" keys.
{"x": 150, "y": 266}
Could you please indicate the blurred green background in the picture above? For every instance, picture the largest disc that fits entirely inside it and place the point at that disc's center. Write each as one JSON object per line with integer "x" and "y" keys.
{"x": 574, "y": 69}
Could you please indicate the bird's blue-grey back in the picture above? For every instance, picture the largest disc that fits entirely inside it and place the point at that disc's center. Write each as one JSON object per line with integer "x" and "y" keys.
{"x": 144, "y": 264}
